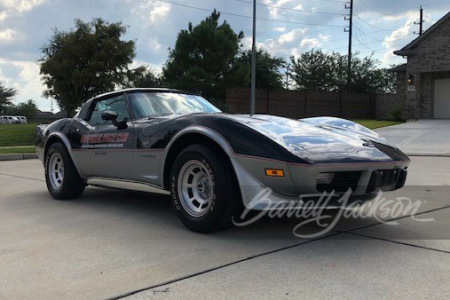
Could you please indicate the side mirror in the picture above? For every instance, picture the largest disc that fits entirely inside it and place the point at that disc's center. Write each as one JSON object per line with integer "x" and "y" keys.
{"x": 109, "y": 115}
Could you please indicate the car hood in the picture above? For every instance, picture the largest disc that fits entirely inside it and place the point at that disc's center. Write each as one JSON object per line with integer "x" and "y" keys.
{"x": 317, "y": 143}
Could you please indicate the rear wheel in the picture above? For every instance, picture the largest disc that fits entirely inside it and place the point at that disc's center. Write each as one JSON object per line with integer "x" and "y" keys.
{"x": 61, "y": 176}
{"x": 203, "y": 189}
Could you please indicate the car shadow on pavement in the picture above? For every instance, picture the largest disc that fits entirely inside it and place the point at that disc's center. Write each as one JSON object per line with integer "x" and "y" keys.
{"x": 155, "y": 213}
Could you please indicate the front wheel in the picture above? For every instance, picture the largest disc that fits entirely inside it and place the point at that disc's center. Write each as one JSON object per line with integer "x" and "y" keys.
{"x": 203, "y": 190}
{"x": 61, "y": 176}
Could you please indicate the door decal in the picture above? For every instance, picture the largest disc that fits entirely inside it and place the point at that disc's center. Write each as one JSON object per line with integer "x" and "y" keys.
{"x": 104, "y": 140}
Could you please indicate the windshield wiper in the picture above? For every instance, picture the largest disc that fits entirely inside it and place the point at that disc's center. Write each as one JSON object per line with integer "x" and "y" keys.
{"x": 159, "y": 116}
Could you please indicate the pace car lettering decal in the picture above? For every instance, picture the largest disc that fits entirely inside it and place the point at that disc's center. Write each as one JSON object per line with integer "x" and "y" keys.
{"x": 104, "y": 140}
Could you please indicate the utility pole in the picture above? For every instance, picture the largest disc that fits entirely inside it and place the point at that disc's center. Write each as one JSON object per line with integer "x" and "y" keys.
{"x": 420, "y": 23}
{"x": 252, "y": 95}
{"x": 349, "y": 30}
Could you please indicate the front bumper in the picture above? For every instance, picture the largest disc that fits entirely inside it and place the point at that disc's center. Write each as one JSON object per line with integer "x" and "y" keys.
{"x": 300, "y": 182}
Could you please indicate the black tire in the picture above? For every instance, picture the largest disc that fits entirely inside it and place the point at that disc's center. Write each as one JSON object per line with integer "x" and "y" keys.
{"x": 61, "y": 176}
{"x": 216, "y": 181}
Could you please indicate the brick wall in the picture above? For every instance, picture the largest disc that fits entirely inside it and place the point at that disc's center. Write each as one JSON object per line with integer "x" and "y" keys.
{"x": 430, "y": 61}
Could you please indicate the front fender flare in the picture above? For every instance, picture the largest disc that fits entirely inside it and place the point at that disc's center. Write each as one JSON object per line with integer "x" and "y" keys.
{"x": 197, "y": 129}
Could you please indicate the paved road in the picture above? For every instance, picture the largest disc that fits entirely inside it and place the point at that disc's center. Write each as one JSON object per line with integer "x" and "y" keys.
{"x": 113, "y": 243}
{"x": 422, "y": 137}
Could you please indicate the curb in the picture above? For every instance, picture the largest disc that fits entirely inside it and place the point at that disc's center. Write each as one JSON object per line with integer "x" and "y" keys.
{"x": 17, "y": 156}
{"x": 428, "y": 155}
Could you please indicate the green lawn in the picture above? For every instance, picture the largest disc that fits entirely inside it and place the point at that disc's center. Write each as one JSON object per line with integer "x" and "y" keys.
{"x": 17, "y": 150}
{"x": 372, "y": 124}
{"x": 17, "y": 134}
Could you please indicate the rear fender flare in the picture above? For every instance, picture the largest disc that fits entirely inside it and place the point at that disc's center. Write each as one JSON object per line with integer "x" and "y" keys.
{"x": 62, "y": 138}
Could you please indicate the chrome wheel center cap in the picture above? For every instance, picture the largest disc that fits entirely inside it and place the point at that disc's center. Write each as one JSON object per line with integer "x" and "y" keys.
{"x": 203, "y": 187}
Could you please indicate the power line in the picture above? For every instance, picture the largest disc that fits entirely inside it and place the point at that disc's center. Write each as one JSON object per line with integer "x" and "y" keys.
{"x": 249, "y": 17}
{"x": 360, "y": 37}
{"x": 364, "y": 44}
{"x": 298, "y": 47}
{"x": 373, "y": 10}
{"x": 435, "y": 3}
{"x": 362, "y": 20}
{"x": 292, "y": 9}
{"x": 359, "y": 28}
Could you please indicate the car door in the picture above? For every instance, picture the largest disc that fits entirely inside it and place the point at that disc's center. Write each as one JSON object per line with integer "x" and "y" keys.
{"x": 101, "y": 148}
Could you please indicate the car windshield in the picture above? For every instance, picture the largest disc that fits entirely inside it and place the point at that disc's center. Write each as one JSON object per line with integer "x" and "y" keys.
{"x": 161, "y": 104}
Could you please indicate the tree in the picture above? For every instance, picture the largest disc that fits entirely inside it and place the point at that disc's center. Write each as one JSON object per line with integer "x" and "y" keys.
{"x": 202, "y": 59}
{"x": 86, "y": 61}
{"x": 27, "y": 109}
{"x": 6, "y": 95}
{"x": 316, "y": 70}
{"x": 142, "y": 77}
{"x": 267, "y": 68}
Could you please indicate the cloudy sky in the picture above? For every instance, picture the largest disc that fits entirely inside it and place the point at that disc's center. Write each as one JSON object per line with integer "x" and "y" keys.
{"x": 284, "y": 27}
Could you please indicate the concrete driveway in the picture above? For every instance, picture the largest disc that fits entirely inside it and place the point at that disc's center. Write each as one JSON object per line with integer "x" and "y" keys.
{"x": 117, "y": 244}
{"x": 422, "y": 137}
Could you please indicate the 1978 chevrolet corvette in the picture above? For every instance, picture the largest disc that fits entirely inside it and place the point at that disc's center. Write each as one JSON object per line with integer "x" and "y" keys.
{"x": 214, "y": 164}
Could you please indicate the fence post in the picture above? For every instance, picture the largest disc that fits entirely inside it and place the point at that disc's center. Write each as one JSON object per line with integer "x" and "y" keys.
{"x": 373, "y": 106}
{"x": 306, "y": 103}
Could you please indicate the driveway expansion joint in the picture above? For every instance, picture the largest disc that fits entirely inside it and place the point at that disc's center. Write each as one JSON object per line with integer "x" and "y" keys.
{"x": 219, "y": 267}
{"x": 393, "y": 219}
{"x": 397, "y": 242}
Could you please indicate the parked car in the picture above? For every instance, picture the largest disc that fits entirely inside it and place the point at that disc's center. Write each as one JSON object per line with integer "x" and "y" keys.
{"x": 23, "y": 119}
{"x": 214, "y": 164}
{"x": 9, "y": 120}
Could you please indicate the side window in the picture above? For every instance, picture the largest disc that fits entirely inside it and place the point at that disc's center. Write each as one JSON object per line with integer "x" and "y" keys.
{"x": 116, "y": 104}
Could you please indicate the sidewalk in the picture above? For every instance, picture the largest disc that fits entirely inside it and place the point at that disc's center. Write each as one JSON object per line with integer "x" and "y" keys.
{"x": 10, "y": 147}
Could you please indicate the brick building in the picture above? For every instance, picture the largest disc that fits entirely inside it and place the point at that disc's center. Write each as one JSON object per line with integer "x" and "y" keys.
{"x": 427, "y": 92}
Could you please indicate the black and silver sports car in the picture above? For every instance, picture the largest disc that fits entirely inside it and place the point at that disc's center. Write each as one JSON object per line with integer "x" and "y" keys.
{"x": 214, "y": 164}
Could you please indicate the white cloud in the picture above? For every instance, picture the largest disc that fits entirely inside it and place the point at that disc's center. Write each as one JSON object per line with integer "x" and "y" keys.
{"x": 247, "y": 42}
{"x": 21, "y": 5}
{"x": 324, "y": 38}
{"x": 3, "y": 16}
{"x": 293, "y": 35}
{"x": 151, "y": 11}
{"x": 154, "y": 44}
{"x": 279, "y": 29}
{"x": 293, "y": 43}
{"x": 397, "y": 17}
{"x": 156, "y": 69}
{"x": 310, "y": 43}
{"x": 159, "y": 10}
{"x": 7, "y": 35}
{"x": 401, "y": 37}
{"x": 27, "y": 83}
{"x": 273, "y": 11}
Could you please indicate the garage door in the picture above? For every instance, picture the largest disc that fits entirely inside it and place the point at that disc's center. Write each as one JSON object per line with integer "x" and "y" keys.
{"x": 442, "y": 98}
